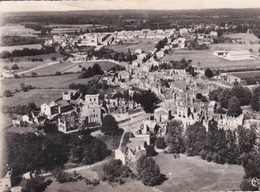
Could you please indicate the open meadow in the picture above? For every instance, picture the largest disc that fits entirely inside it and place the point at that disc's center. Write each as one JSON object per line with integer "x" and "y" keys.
{"x": 26, "y": 62}
{"x": 194, "y": 174}
{"x": 246, "y": 74}
{"x": 75, "y": 67}
{"x": 80, "y": 186}
{"x": 206, "y": 59}
{"x": 184, "y": 174}
{"x": 47, "y": 88}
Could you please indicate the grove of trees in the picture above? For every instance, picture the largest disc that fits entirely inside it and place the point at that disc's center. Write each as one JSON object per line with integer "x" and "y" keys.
{"x": 109, "y": 125}
{"x": 147, "y": 99}
{"x": 28, "y": 152}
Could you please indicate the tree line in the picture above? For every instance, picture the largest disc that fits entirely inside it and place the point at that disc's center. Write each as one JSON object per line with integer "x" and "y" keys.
{"x": 26, "y": 52}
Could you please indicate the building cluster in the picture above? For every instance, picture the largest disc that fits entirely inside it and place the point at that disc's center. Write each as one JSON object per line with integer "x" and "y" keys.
{"x": 180, "y": 37}
{"x": 71, "y": 112}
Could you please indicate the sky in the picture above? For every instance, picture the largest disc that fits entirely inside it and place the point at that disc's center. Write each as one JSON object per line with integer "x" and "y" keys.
{"x": 18, "y": 6}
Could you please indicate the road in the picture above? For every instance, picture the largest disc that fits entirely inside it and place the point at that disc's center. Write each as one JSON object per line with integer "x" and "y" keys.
{"x": 132, "y": 125}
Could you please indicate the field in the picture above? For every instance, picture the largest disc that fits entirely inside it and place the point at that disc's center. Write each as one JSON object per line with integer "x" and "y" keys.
{"x": 25, "y": 63}
{"x": 105, "y": 65}
{"x": 184, "y": 174}
{"x": 20, "y": 47}
{"x": 44, "y": 68}
{"x": 205, "y": 58}
{"x": 246, "y": 74}
{"x": 124, "y": 47}
{"x": 248, "y": 37}
{"x": 16, "y": 29}
{"x": 38, "y": 96}
{"x": 63, "y": 28}
{"x": 195, "y": 174}
{"x": 80, "y": 186}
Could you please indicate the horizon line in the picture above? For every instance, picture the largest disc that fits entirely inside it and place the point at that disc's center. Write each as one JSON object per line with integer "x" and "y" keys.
{"x": 126, "y": 9}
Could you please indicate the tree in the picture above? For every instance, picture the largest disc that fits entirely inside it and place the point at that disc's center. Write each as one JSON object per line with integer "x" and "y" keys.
{"x": 213, "y": 95}
{"x": 114, "y": 171}
{"x": 109, "y": 125}
{"x": 174, "y": 138}
{"x": 97, "y": 69}
{"x": 142, "y": 98}
{"x": 160, "y": 144}
{"x": 255, "y": 104}
{"x": 243, "y": 94}
{"x": 15, "y": 66}
{"x": 195, "y": 139}
{"x": 252, "y": 169}
{"x": 246, "y": 139}
{"x": 199, "y": 95}
{"x": 33, "y": 74}
{"x": 234, "y": 108}
{"x": 37, "y": 184}
{"x": 148, "y": 171}
{"x": 5, "y": 54}
{"x": 224, "y": 97}
{"x": 53, "y": 58}
{"x": 7, "y": 93}
{"x": 209, "y": 73}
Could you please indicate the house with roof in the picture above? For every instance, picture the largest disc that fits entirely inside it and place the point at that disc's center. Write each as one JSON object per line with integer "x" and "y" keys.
{"x": 230, "y": 78}
{"x": 54, "y": 108}
{"x": 235, "y": 55}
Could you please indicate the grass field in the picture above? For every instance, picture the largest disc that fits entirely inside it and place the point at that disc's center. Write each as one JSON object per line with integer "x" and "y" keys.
{"x": 246, "y": 74}
{"x": 20, "y": 47}
{"x": 105, "y": 66}
{"x": 184, "y": 174}
{"x": 124, "y": 47}
{"x": 195, "y": 174}
{"x": 25, "y": 63}
{"x": 38, "y": 96}
{"x": 80, "y": 186}
{"x": 205, "y": 58}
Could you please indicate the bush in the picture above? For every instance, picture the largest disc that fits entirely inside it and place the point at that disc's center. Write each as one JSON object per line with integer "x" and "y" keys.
{"x": 15, "y": 66}
{"x": 58, "y": 73}
{"x": 33, "y": 74}
{"x": 209, "y": 73}
{"x": 63, "y": 177}
{"x": 160, "y": 144}
{"x": 7, "y": 93}
{"x": 115, "y": 171}
{"x": 209, "y": 157}
{"x": 53, "y": 58}
{"x": 35, "y": 184}
{"x": 199, "y": 96}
